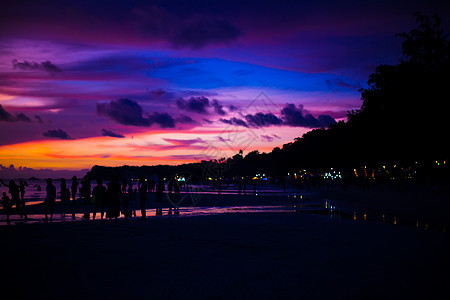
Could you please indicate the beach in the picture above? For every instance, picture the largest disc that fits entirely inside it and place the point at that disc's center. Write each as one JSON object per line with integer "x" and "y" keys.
{"x": 231, "y": 254}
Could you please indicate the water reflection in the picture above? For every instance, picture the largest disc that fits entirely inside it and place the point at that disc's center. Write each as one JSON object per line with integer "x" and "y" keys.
{"x": 325, "y": 207}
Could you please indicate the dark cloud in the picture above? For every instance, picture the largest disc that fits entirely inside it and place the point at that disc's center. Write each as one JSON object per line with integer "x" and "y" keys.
{"x": 7, "y": 117}
{"x": 129, "y": 112}
{"x": 339, "y": 83}
{"x": 184, "y": 30}
{"x": 234, "y": 121}
{"x": 194, "y": 104}
{"x": 262, "y": 120}
{"x": 296, "y": 117}
{"x": 106, "y": 132}
{"x": 123, "y": 111}
{"x": 233, "y": 108}
{"x": 326, "y": 120}
{"x": 218, "y": 108}
{"x": 269, "y": 137}
{"x": 22, "y": 117}
{"x": 164, "y": 120}
{"x": 57, "y": 134}
{"x": 182, "y": 119}
{"x": 158, "y": 92}
{"x": 221, "y": 139}
{"x": 39, "y": 119}
{"x": 46, "y": 66}
{"x": 200, "y": 105}
{"x": 290, "y": 116}
{"x": 256, "y": 120}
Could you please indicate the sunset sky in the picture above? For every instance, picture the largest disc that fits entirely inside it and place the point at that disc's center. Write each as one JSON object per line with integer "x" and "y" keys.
{"x": 86, "y": 83}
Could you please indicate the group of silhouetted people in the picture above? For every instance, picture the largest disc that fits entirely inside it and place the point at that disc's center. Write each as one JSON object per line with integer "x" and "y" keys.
{"x": 107, "y": 199}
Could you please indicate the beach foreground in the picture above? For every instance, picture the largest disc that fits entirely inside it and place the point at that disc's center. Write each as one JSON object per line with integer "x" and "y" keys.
{"x": 259, "y": 255}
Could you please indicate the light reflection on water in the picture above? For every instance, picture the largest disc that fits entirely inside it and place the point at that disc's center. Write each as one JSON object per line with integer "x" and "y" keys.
{"x": 169, "y": 212}
{"x": 325, "y": 209}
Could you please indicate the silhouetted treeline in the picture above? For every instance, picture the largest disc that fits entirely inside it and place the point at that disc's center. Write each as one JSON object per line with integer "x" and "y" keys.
{"x": 403, "y": 118}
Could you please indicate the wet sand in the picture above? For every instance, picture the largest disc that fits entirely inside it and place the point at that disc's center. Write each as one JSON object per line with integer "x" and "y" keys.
{"x": 232, "y": 255}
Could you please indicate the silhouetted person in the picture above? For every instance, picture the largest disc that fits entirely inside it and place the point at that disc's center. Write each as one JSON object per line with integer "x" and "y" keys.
{"x": 22, "y": 191}
{"x": 114, "y": 193}
{"x": 142, "y": 197}
{"x": 176, "y": 189}
{"x": 49, "y": 202}
{"x": 159, "y": 190}
{"x": 99, "y": 197}
{"x": 170, "y": 189}
{"x": 74, "y": 188}
{"x": 124, "y": 187}
{"x": 125, "y": 200}
{"x": 63, "y": 191}
{"x": 130, "y": 191}
{"x": 86, "y": 190}
{"x": 15, "y": 197}
{"x": 6, "y": 203}
{"x": 151, "y": 185}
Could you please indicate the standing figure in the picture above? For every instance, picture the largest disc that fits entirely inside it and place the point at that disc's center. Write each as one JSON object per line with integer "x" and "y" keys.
{"x": 130, "y": 191}
{"x": 86, "y": 190}
{"x": 63, "y": 191}
{"x": 22, "y": 191}
{"x": 99, "y": 198}
{"x": 170, "y": 189}
{"x": 74, "y": 188}
{"x": 6, "y": 203}
{"x": 15, "y": 197}
{"x": 142, "y": 196}
{"x": 177, "y": 196}
{"x": 125, "y": 200}
{"x": 49, "y": 202}
{"x": 114, "y": 193}
{"x": 159, "y": 190}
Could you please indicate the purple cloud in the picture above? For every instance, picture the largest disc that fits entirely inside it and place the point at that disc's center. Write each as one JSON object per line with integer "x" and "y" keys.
{"x": 57, "y": 134}
{"x": 46, "y": 66}
{"x": 109, "y": 133}
{"x": 129, "y": 112}
{"x": 296, "y": 117}
{"x": 218, "y": 108}
{"x": 7, "y": 117}
{"x": 262, "y": 120}
{"x": 290, "y": 116}
{"x": 269, "y": 137}
{"x": 182, "y": 119}
{"x": 194, "y": 104}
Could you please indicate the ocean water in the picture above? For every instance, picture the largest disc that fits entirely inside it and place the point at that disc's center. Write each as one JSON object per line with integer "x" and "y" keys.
{"x": 32, "y": 193}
